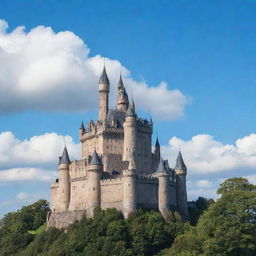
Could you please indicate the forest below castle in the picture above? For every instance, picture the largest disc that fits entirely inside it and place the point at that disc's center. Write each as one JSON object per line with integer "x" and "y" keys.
{"x": 226, "y": 227}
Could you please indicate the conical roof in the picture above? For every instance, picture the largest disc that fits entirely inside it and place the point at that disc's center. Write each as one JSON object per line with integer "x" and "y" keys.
{"x": 180, "y": 165}
{"x": 161, "y": 168}
{"x": 157, "y": 142}
{"x": 104, "y": 77}
{"x": 120, "y": 83}
{"x": 95, "y": 160}
{"x": 82, "y": 126}
{"x": 130, "y": 111}
{"x": 65, "y": 157}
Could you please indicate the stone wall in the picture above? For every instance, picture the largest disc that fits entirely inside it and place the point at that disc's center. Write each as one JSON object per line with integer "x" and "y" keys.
{"x": 147, "y": 192}
{"x": 112, "y": 193}
{"x": 64, "y": 219}
{"x": 78, "y": 194}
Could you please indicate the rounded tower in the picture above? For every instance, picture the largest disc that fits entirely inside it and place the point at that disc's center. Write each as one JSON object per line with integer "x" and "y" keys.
{"x": 95, "y": 169}
{"x": 103, "y": 96}
{"x": 130, "y": 134}
{"x": 163, "y": 188}
{"x": 129, "y": 182}
{"x": 122, "y": 96}
{"x": 64, "y": 182}
{"x": 181, "y": 187}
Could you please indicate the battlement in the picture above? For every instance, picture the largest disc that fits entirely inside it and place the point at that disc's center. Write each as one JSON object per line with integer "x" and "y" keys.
{"x": 111, "y": 181}
{"x": 146, "y": 179}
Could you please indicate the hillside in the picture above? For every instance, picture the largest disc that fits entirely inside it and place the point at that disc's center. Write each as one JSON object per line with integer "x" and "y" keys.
{"x": 226, "y": 228}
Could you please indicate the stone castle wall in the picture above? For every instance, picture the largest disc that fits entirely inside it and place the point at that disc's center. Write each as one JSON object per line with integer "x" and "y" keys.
{"x": 147, "y": 192}
{"x": 112, "y": 193}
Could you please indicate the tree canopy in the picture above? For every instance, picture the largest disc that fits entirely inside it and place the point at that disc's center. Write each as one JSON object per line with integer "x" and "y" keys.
{"x": 227, "y": 228}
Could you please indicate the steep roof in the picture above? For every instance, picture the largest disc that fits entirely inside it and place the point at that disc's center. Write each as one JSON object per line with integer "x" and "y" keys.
{"x": 104, "y": 77}
{"x": 95, "y": 160}
{"x": 82, "y": 126}
{"x": 65, "y": 157}
{"x": 161, "y": 167}
{"x": 131, "y": 109}
{"x": 116, "y": 115}
{"x": 157, "y": 142}
{"x": 120, "y": 83}
{"x": 180, "y": 165}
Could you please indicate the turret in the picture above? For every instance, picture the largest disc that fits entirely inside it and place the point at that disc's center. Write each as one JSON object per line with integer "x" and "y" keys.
{"x": 129, "y": 181}
{"x": 181, "y": 188}
{"x": 157, "y": 148}
{"x": 103, "y": 95}
{"x": 130, "y": 134}
{"x": 95, "y": 169}
{"x": 81, "y": 130}
{"x": 64, "y": 183}
{"x": 163, "y": 188}
{"x": 122, "y": 96}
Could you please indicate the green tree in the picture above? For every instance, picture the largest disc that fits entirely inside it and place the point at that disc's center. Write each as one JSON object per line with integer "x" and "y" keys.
{"x": 227, "y": 228}
{"x": 199, "y": 206}
{"x": 235, "y": 184}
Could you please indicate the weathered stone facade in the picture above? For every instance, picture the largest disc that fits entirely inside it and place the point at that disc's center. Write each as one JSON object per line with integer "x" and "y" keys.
{"x": 118, "y": 168}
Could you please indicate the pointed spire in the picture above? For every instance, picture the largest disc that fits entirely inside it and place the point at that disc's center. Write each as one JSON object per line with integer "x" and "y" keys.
{"x": 65, "y": 157}
{"x": 120, "y": 83}
{"x": 130, "y": 111}
{"x": 104, "y": 77}
{"x": 180, "y": 165}
{"x": 82, "y": 126}
{"x": 157, "y": 142}
{"x": 95, "y": 160}
{"x": 133, "y": 105}
{"x": 161, "y": 167}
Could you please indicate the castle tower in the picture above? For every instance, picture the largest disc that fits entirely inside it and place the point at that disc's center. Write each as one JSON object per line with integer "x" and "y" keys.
{"x": 64, "y": 182}
{"x": 181, "y": 188}
{"x": 163, "y": 188}
{"x": 130, "y": 134}
{"x": 129, "y": 181}
{"x": 95, "y": 169}
{"x": 103, "y": 96}
{"x": 122, "y": 96}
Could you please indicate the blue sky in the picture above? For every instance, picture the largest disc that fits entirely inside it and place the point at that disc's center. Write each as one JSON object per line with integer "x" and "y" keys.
{"x": 204, "y": 49}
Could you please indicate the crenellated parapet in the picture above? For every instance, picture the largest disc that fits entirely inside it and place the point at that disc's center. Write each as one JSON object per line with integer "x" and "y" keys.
{"x": 146, "y": 179}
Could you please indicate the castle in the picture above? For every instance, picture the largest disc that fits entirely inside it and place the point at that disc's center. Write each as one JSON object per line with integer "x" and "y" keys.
{"x": 118, "y": 168}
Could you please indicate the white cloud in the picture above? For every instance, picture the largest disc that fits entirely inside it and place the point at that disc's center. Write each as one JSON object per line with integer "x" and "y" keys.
{"x": 22, "y": 196}
{"x": 27, "y": 174}
{"x": 203, "y": 154}
{"x": 48, "y": 71}
{"x": 36, "y": 151}
{"x": 204, "y": 183}
{"x": 34, "y": 159}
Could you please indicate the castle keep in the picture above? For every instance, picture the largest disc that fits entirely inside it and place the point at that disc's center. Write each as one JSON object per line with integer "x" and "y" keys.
{"x": 118, "y": 168}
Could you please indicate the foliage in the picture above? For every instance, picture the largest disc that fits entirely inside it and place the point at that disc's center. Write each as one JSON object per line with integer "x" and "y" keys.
{"x": 108, "y": 233}
{"x": 224, "y": 228}
{"x": 199, "y": 206}
{"x": 38, "y": 231}
{"x": 227, "y": 228}
{"x": 235, "y": 184}
{"x": 14, "y": 229}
